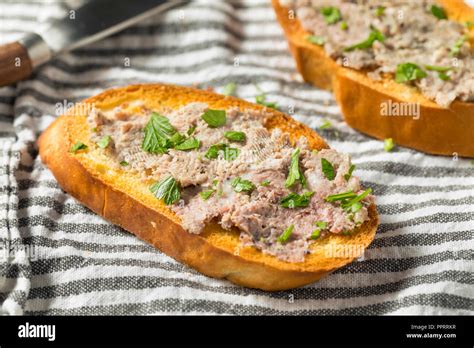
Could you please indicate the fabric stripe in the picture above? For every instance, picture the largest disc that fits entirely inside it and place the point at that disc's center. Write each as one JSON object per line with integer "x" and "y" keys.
{"x": 215, "y": 307}
{"x": 140, "y": 282}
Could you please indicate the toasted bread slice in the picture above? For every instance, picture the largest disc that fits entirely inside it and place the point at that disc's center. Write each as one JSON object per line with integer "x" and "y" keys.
{"x": 125, "y": 200}
{"x": 437, "y": 130}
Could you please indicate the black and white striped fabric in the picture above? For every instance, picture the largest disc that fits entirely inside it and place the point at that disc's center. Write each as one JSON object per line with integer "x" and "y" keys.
{"x": 57, "y": 257}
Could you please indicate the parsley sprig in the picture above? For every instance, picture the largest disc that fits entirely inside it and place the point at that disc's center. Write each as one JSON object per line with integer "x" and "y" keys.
{"x": 438, "y": 12}
{"x": 241, "y": 185}
{"x": 235, "y": 136}
{"x": 456, "y": 49}
{"x": 321, "y": 226}
{"x": 158, "y": 132}
{"x": 78, "y": 146}
{"x": 214, "y": 118}
{"x": 160, "y": 136}
{"x": 294, "y": 200}
{"x": 375, "y": 35}
{"x": 104, "y": 141}
{"x": 348, "y": 175}
{"x": 283, "y": 238}
{"x": 316, "y": 40}
{"x": 328, "y": 169}
{"x": 295, "y": 174}
{"x": 261, "y": 99}
{"x": 229, "y": 153}
{"x": 407, "y": 72}
{"x": 167, "y": 189}
{"x": 441, "y": 70}
{"x": 331, "y": 14}
{"x": 349, "y": 200}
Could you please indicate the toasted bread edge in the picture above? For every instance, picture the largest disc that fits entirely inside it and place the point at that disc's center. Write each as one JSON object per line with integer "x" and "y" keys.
{"x": 249, "y": 267}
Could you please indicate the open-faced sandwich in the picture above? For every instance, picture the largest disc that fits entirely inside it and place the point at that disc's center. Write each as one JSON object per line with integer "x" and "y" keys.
{"x": 234, "y": 189}
{"x": 401, "y": 69}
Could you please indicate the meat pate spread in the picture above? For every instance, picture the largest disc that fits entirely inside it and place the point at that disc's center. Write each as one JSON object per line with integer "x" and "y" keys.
{"x": 225, "y": 166}
{"x": 412, "y": 40}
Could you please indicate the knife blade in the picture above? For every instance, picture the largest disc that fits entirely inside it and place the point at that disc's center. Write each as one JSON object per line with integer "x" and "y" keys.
{"x": 93, "y": 21}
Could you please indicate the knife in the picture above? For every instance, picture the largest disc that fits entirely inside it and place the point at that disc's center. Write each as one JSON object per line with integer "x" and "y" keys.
{"x": 95, "y": 20}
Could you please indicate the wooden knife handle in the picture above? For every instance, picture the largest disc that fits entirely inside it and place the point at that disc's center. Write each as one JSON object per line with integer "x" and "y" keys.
{"x": 15, "y": 64}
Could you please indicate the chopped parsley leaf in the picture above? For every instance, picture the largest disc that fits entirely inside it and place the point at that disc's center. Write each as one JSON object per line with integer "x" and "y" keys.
{"x": 295, "y": 174}
{"x": 283, "y": 238}
{"x": 167, "y": 189}
{"x": 78, "y": 146}
{"x": 328, "y": 169}
{"x": 294, "y": 200}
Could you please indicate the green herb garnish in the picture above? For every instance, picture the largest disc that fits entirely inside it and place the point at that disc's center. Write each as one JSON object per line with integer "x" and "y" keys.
{"x": 78, "y": 146}
{"x": 443, "y": 76}
{"x": 265, "y": 183}
{"x": 375, "y": 35}
{"x": 409, "y": 72}
{"x": 158, "y": 132}
{"x": 283, "y": 238}
{"x": 241, "y": 185}
{"x": 317, "y": 232}
{"x": 261, "y": 100}
{"x": 438, "y": 68}
{"x": 316, "y": 40}
{"x": 456, "y": 49}
{"x": 438, "y": 12}
{"x": 354, "y": 208}
{"x": 344, "y": 25}
{"x": 229, "y": 89}
{"x": 331, "y": 14}
{"x": 229, "y": 153}
{"x": 328, "y": 169}
{"x": 206, "y": 194}
{"x": 341, "y": 196}
{"x": 295, "y": 174}
{"x": 167, "y": 189}
{"x": 326, "y": 124}
{"x": 348, "y": 175}
{"x": 123, "y": 163}
{"x": 176, "y": 139}
{"x": 348, "y": 205}
{"x": 188, "y": 144}
{"x": 215, "y": 118}
{"x": 191, "y": 130}
{"x": 350, "y": 201}
{"x": 213, "y": 151}
{"x": 294, "y": 200}
{"x": 235, "y": 136}
{"x": 104, "y": 142}
{"x": 388, "y": 144}
{"x": 380, "y": 11}
{"x": 442, "y": 71}
{"x": 322, "y": 224}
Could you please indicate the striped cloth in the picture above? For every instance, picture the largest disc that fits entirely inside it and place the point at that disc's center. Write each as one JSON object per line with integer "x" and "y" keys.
{"x": 60, "y": 258}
